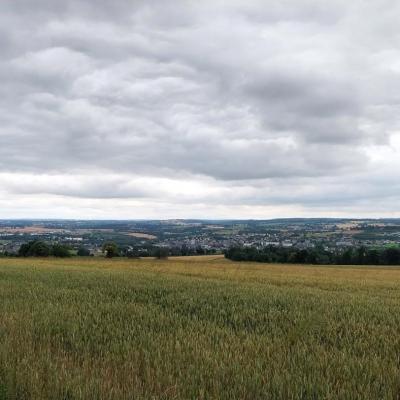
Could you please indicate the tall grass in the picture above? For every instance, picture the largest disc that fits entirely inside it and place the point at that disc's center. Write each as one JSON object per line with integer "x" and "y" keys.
{"x": 189, "y": 329}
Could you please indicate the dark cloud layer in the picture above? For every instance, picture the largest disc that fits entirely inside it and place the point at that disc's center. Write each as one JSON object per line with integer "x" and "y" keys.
{"x": 245, "y": 103}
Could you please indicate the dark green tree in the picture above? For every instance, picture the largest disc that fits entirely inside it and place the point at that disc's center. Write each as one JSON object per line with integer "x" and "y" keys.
{"x": 24, "y": 249}
{"x": 60, "y": 250}
{"x": 347, "y": 257}
{"x": 35, "y": 248}
{"x": 83, "y": 252}
{"x": 110, "y": 249}
{"x": 391, "y": 256}
{"x": 161, "y": 253}
{"x": 372, "y": 257}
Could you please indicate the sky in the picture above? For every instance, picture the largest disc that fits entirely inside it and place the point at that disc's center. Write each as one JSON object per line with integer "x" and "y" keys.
{"x": 117, "y": 109}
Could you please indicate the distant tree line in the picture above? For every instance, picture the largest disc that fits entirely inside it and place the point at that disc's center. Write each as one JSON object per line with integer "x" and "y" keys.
{"x": 110, "y": 249}
{"x": 349, "y": 256}
{"x": 164, "y": 252}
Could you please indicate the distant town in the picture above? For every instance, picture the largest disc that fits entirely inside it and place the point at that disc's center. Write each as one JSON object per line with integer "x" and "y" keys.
{"x": 187, "y": 237}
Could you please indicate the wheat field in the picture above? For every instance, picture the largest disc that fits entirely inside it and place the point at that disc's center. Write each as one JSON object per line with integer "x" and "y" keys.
{"x": 197, "y": 328}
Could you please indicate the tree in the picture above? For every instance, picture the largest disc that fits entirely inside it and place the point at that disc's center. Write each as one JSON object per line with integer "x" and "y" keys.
{"x": 24, "y": 249}
{"x": 347, "y": 257}
{"x": 40, "y": 249}
{"x": 131, "y": 252}
{"x": 200, "y": 251}
{"x": 299, "y": 257}
{"x": 185, "y": 251}
{"x": 35, "y": 248}
{"x": 60, "y": 250}
{"x": 161, "y": 253}
{"x": 361, "y": 253}
{"x": 83, "y": 252}
{"x": 372, "y": 257}
{"x": 391, "y": 256}
{"x": 110, "y": 249}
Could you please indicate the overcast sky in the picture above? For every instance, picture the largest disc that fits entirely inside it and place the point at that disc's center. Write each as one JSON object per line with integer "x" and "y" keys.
{"x": 199, "y": 109}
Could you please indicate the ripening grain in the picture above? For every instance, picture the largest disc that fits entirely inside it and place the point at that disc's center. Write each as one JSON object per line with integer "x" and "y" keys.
{"x": 197, "y": 329}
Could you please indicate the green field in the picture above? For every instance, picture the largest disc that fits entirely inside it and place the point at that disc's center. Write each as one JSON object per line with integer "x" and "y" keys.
{"x": 197, "y": 328}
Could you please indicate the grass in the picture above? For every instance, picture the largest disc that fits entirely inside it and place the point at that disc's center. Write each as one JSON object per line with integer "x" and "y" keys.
{"x": 197, "y": 328}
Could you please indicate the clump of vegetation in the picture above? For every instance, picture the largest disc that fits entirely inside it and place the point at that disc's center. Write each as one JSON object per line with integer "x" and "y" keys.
{"x": 110, "y": 249}
{"x": 161, "y": 253}
{"x": 35, "y": 248}
{"x": 197, "y": 329}
{"x": 83, "y": 252}
{"x": 38, "y": 248}
{"x": 350, "y": 256}
{"x": 60, "y": 250}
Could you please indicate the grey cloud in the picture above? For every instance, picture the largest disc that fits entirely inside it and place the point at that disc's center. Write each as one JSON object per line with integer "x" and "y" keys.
{"x": 244, "y": 91}
{"x": 94, "y": 188}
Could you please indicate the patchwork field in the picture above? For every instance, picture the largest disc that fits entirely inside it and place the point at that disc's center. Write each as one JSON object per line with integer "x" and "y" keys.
{"x": 197, "y": 328}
